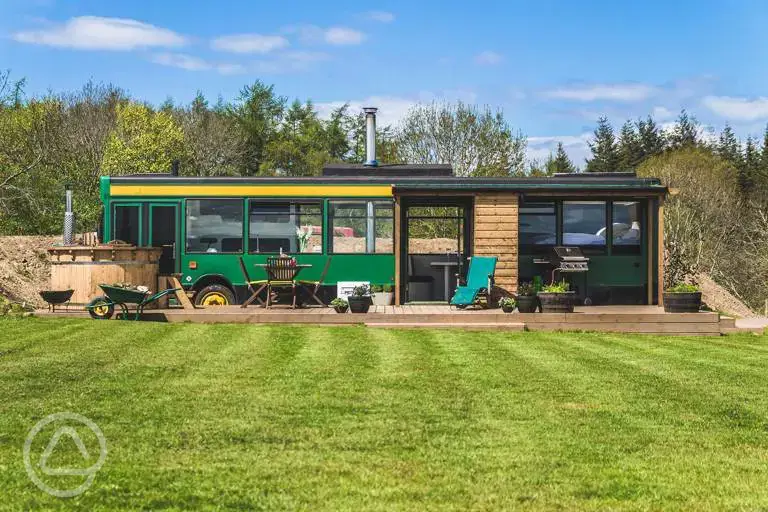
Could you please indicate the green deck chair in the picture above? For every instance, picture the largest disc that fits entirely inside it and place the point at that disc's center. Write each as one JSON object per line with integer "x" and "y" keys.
{"x": 479, "y": 282}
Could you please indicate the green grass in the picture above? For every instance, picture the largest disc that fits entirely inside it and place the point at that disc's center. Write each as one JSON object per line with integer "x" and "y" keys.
{"x": 349, "y": 418}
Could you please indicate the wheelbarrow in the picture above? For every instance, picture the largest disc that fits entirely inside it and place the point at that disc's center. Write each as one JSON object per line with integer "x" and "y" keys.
{"x": 103, "y": 307}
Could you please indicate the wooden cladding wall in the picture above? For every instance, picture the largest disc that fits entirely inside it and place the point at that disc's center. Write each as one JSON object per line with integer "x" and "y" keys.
{"x": 496, "y": 226}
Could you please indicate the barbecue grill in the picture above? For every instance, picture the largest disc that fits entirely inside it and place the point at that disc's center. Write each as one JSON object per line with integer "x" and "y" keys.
{"x": 566, "y": 259}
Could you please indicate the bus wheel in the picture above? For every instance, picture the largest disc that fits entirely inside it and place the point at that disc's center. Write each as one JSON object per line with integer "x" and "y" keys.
{"x": 214, "y": 295}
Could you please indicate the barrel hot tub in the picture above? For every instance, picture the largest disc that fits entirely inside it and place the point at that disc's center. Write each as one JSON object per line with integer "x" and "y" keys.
{"x": 83, "y": 268}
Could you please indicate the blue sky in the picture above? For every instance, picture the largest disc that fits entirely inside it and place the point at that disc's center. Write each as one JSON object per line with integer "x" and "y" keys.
{"x": 552, "y": 66}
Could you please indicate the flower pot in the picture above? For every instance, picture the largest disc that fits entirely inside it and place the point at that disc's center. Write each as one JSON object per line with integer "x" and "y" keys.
{"x": 341, "y": 309}
{"x": 527, "y": 303}
{"x": 383, "y": 298}
{"x": 557, "y": 302}
{"x": 689, "y": 302}
{"x": 359, "y": 304}
{"x": 507, "y": 309}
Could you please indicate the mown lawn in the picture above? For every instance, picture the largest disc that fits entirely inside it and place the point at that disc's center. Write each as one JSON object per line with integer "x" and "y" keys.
{"x": 349, "y": 418}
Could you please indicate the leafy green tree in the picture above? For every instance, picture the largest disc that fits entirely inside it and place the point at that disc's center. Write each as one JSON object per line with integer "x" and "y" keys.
{"x": 605, "y": 153}
{"x": 142, "y": 141}
{"x": 297, "y": 148}
{"x": 686, "y": 131}
{"x": 630, "y": 148}
{"x": 652, "y": 139}
{"x": 386, "y": 141}
{"x": 257, "y": 112}
{"x": 475, "y": 141}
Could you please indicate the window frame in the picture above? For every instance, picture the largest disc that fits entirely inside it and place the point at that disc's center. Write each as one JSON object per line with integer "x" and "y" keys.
{"x": 186, "y": 226}
{"x": 587, "y": 249}
{"x": 630, "y": 249}
{"x": 357, "y": 200}
{"x": 537, "y": 250}
{"x": 131, "y": 204}
{"x": 314, "y": 201}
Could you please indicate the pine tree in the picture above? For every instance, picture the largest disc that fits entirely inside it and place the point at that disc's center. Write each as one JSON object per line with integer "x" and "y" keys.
{"x": 652, "y": 139}
{"x": 560, "y": 163}
{"x": 728, "y": 147}
{"x": 605, "y": 155}
{"x": 762, "y": 173}
{"x": 748, "y": 168}
{"x": 630, "y": 148}
{"x": 686, "y": 132}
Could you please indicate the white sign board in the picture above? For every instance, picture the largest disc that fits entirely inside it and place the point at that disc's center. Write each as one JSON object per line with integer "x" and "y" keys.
{"x": 344, "y": 288}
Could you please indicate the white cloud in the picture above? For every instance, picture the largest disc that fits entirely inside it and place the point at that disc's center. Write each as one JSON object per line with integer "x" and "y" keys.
{"x": 192, "y": 63}
{"x": 608, "y": 92}
{"x": 249, "y": 43}
{"x": 343, "y": 36}
{"x": 488, "y": 58}
{"x": 96, "y": 33}
{"x": 577, "y": 147}
{"x": 380, "y": 16}
{"x": 737, "y": 108}
{"x": 662, "y": 113}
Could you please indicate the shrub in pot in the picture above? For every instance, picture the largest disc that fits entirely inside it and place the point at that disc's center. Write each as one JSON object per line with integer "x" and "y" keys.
{"x": 527, "y": 301}
{"x": 340, "y": 305}
{"x": 383, "y": 295}
{"x": 682, "y": 298}
{"x": 360, "y": 299}
{"x": 507, "y": 304}
{"x": 557, "y": 298}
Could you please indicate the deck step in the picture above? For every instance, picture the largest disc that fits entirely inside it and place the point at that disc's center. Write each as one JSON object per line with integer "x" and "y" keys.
{"x": 474, "y": 326}
{"x": 741, "y": 330}
{"x": 727, "y": 322}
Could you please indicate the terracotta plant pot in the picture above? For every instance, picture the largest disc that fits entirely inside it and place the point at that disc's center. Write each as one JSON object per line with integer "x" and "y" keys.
{"x": 689, "y": 302}
{"x": 527, "y": 303}
{"x": 359, "y": 304}
{"x": 557, "y": 302}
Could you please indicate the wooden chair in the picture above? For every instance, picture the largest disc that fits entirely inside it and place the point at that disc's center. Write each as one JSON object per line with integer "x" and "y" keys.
{"x": 281, "y": 273}
{"x": 317, "y": 284}
{"x": 252, "y": 286}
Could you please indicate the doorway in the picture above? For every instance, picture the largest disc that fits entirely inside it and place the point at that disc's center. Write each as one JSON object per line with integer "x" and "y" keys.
{"x": 435, "y": 247}
{"x": 163, "y": 233}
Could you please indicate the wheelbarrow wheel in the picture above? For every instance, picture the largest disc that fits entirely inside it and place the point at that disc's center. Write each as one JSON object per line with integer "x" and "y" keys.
{"x": 101, "y": 308}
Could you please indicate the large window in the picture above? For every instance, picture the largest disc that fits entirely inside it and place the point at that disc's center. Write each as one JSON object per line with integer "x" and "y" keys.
{"x": 538, "y": 226}
{"x": 215, "y": 225}
{"x": 435, "y": 229}
{"x": 285, "y": 226}
{"x": 627, "y": 228}
{"x": 126, "y": 225}
{"x": 361, "y": 227}
{"x": 584, "y": 223}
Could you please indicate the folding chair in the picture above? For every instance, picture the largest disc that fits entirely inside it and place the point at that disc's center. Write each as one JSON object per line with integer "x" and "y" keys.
{"x": 480, "y": 279}
{"x": 280, "y": 274}
{"x": 251, "y": 286}
{"x": 316, "y": 284}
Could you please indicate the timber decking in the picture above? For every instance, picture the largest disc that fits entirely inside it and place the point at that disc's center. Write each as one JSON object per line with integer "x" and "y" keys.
{"x": 635, "y": 319}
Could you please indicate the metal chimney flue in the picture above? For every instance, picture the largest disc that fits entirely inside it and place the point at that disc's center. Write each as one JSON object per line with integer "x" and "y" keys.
{"x": 175, "y": 168}
{"x": 69, "y": 218}
{"x": 370, "y": 136}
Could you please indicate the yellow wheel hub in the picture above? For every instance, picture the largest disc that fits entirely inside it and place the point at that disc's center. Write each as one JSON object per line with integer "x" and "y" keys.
{"x": 101, "y": 310}
{"x": 214, "y": 299}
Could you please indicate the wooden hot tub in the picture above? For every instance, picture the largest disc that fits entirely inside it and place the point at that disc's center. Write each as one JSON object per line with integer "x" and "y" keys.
{"x": 83, "y": 268}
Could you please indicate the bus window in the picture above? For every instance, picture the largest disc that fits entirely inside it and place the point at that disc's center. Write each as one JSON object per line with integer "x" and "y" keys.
{"x": 285, "y": 226}
{"x": 214, "y": 225}
{"x": 126, "y": 224}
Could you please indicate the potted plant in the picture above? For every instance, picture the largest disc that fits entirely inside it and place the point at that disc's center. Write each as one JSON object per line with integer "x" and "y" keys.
{"x": 507, "y": 304}
{"x": 527, "y": 301}
{"x": 383, "y": 295}
{"x": 557, "y": 298}
{"x": 340, "y": 305}
{"x": 682, "y": 298}
{"x": 360, "y": 299}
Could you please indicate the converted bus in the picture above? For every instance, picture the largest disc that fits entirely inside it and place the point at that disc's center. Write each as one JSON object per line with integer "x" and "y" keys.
{"x": 412, "y": 227}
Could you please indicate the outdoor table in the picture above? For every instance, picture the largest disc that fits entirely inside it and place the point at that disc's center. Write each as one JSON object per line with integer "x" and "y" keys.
{"x": 446, "y": 275}
{"x": 298, "y": 267}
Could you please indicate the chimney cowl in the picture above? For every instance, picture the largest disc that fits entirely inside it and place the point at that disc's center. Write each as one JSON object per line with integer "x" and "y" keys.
{"x": 370, "y": 136}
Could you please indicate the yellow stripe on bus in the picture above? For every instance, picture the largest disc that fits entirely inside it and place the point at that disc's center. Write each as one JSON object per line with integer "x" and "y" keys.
{"x": 252, "y": 190}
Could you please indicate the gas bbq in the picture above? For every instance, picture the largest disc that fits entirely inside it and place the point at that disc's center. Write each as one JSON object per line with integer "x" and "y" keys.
{"x": 566, "y": 259}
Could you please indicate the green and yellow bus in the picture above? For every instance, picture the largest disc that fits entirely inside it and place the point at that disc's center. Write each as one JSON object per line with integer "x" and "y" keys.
{"x": 409, "y": 226}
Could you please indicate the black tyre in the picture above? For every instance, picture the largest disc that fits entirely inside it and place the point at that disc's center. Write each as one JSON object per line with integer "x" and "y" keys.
{"x": 101, "y": 308}
{"x": 214, "y": 295}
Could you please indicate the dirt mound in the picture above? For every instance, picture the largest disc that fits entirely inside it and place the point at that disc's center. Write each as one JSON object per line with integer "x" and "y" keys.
{"x": 720, "y": 299}
{"x": 25, "y": 268}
